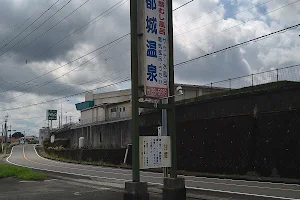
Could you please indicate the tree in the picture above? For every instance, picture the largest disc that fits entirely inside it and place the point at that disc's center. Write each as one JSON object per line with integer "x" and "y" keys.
{"x": 17, "y": 135}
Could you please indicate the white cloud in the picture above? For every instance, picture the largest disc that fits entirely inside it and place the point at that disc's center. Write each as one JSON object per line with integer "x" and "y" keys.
{"x": 212, "y": 32}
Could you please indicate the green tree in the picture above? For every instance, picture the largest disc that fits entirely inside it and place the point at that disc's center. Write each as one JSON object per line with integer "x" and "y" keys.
{"x": 17, "y": 135}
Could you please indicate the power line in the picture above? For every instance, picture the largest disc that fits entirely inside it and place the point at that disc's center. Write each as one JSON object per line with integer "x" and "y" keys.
{"x": 29, "y": 25}
{"x": 183, "y": 5}
{"x": 237, "y": 45}
{"x": 91, "y": 22}
{"x": 46, "y": 31}
{"x": 87, "y": 25}
{"x": 22, "y": 24}
{"x": 234, "y": 46}
{"x": 27, "y": 118}
{"x": 110, "y": 43}
{"x": 256, "y": 39}
{"x": 109, "y": 85}
{"x": 52, "y": 100}
{"x": 222, "y": 18}
{"x": 213, "y": 10}
{"x": 127, "y": 51}
{"x": 46, "y": 83}
{"x": 98, "y": 80}
{"x": 226, "y": 29}
{"x": 34, "y": 31}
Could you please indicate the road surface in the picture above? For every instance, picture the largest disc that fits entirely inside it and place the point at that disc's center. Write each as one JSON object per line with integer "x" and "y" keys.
{"x": 26, "y": 156}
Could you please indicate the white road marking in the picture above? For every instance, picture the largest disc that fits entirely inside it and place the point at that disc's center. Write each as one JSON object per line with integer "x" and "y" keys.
{"x": 184, "y": 176}
{"x": 27, "y": 181}
{"x": 77, "y": 193}
{"x": 241, "y": 193}
{"x": 194, "y": 188}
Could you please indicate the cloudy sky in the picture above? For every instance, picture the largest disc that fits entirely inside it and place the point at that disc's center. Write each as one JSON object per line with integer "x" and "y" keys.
{"x": 40, "y": 49}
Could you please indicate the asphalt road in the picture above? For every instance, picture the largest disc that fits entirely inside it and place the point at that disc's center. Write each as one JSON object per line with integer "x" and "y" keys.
{"x": 13, "y": 189}
{"x": 27, "y": 156}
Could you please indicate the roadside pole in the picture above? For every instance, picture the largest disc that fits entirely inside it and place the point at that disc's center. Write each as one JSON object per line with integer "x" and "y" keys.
{"x": 135, "y": 189}
{"x": 174, "y": 187}
{"x": 164, "y": 131}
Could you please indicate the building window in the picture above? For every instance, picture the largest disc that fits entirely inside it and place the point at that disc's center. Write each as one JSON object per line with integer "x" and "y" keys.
{"x": 120, "y": 109}
{"x": 100, "y": 137}
{"x": 113, "y": 110}
{"x": 123, "y": 109}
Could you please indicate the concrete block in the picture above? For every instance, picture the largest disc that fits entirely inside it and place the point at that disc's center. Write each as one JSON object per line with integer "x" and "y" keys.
{"x": 174, "y": 189}
{"x": 136, "y": 191}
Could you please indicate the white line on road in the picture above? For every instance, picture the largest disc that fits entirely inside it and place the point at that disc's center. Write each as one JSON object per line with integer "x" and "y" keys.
{"x": 184, "y": 176}
{"x": 194, "y": 188}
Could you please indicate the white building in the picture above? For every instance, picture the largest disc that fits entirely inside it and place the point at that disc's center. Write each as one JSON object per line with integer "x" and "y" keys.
{"x": 116, "y": 105}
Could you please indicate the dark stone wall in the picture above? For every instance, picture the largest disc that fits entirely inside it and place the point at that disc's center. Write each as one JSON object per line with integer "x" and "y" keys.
{"x": 233, "y": 133}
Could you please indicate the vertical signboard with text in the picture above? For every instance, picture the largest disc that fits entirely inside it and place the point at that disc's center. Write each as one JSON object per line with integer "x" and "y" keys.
{"x": 155, "y": 152}
{"x": 156, "y": 45}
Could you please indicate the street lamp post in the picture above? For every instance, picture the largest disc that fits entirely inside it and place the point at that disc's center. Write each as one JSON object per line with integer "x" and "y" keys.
{"x": 61, "y": 113}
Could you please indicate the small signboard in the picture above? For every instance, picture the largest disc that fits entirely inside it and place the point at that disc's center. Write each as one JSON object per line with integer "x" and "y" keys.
{"x": 156, "y": 49}
{"x": 51, "y": 115}
{"x": 155, "y": 152}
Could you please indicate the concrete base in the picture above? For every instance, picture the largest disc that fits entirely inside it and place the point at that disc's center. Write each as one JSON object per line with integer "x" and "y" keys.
{"x": 174, "y": 189}
{"x": 136, "y": 191}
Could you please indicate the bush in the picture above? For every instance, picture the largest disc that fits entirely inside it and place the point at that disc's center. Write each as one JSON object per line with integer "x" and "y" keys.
{"x": 46, "y": 143}
{"x": 275, "y": 173}
{"x": 253, "y": 174}
{"x": 56, "y": 148}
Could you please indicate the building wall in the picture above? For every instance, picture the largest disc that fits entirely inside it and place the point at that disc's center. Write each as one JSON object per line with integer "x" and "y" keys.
{"x": 86, "y": 116}
{"x": 43, "y": 135}
{"x": 112, "y": 97}
{"x": 119, "y": 111}
{"x": 107, "y": 135}
{"x": 112, "y": 102}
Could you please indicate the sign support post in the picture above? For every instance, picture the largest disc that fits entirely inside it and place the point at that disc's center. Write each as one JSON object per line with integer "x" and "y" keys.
{"x": 135, "y": 189}
{"x": 174, "y": 187}
{"x": 152, "y": 69}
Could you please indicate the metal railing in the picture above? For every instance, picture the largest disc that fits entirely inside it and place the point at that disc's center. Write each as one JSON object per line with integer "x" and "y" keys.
{"x": 290, "y": 73}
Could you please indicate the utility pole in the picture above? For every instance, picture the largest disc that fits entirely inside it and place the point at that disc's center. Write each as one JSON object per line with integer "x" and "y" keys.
{"x": 66, "y": 119}
{"x": 164, "y": 127}
{"x": 61, "y": 114}
{"x": 135, "y": 189}
{"x": 5, "y": 128}
{"x": 70, "y": 119}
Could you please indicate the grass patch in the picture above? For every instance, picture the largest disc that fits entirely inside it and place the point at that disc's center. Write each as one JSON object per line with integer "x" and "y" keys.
{"x": 7, "y": 170}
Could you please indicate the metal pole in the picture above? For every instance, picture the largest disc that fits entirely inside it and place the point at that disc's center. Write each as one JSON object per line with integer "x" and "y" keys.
{"x": 134, "y": 91}
{"x": 171, "y": 115}
{"x": 164, "y": 131}
{"x": 61, "y": 116}
{"x": 58, "y": 121}
{"x": 51, "y": 124}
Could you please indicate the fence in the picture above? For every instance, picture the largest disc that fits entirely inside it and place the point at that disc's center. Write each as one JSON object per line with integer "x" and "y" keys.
{"x": 290, "y": 73}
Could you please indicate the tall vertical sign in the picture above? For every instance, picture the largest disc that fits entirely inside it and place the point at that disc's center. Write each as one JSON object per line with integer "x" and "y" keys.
{"x": 156, "y": 45}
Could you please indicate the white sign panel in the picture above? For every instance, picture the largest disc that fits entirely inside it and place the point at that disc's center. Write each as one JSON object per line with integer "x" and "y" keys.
{"x": 156, "y": 45}
{"x": 155, "y": 152}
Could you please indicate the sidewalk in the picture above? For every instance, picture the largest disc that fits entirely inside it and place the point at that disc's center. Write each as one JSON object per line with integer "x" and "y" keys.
{"x": 13, "y": 189}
